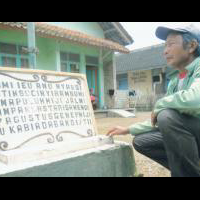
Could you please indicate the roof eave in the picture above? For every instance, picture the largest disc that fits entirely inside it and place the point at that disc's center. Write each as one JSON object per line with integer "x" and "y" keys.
{"x": 124, "y": 33}
{"x": 119, "y": 34}
{"x": 78, "y": 37}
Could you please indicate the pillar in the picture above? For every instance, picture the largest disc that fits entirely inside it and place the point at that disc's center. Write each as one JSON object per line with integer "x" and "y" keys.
{"x": 58, "y": 63}
{"x": 82, "y": 64}
{"x": 101, "y": 81}
{"x": 31, "y": 44}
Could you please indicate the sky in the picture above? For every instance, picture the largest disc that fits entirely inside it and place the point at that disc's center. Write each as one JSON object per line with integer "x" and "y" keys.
{"x": 143, "y": 33}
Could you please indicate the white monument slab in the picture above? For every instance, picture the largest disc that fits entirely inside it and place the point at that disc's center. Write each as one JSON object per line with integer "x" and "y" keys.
{"x": 44, "y": 114}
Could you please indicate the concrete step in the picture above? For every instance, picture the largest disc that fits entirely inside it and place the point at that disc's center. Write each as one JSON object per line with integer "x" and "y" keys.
{"x": 120, "y": 113}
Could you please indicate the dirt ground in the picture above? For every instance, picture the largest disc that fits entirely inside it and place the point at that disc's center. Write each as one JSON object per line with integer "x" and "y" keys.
{"x": 144, "y": 165}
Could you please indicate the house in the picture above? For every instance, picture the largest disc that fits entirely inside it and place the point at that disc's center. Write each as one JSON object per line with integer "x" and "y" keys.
{"x": 78, "y": 47}
{"x": 142, "y": 74}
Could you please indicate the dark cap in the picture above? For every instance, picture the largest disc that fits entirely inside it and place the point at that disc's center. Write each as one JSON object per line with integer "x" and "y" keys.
{"x": 162, "y": 32}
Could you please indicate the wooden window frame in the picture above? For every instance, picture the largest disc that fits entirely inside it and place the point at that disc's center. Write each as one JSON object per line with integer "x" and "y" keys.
{"x": 17, "y": 56}
{"x": 68, "y": 62}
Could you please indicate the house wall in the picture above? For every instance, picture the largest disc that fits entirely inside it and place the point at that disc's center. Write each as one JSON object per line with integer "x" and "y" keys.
{"x": 122, "y": 99}
{"x": 91, "y": 28}
{"x": 46, "y": 59}
{"x": 146, "y": 91}
{"x": 140, "y": 81}
{"x": 49, "y": 53}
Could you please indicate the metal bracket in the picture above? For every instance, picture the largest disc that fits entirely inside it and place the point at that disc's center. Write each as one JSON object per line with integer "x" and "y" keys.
{"x": 30, "y": 50}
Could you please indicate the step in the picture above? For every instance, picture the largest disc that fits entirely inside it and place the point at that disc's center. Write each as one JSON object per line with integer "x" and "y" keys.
{"x": 120, "y": 113}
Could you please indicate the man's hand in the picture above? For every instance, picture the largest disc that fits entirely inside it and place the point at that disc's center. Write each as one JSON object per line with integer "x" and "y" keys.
{"x": 118, "y": 130}
{"x": 153, "y": 119}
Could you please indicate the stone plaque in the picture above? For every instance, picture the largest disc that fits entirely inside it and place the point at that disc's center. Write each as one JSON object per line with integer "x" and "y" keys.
{"x": 41, "y": 107}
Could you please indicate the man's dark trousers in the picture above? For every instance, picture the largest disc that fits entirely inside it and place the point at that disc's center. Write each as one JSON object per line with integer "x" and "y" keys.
{"x": 176, "y": 144}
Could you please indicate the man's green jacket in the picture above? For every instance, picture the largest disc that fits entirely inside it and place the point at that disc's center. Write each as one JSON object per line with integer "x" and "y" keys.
{"x": 185, "y": 101}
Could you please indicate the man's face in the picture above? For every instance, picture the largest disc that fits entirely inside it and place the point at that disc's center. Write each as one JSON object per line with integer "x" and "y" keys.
{"x": 174, "y": 52}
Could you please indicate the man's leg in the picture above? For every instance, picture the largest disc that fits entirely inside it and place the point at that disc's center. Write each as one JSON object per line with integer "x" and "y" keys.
{"x": 151, "y": 145}
{"x": 181, "y": 137}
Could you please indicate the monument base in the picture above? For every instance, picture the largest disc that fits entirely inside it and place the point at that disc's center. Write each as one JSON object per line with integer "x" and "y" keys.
{"x": 109, "y": 160}
{"x": 31, "y": 154}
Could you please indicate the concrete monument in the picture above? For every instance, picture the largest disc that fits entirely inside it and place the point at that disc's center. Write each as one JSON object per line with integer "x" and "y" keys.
{"x": 45, "y": 117}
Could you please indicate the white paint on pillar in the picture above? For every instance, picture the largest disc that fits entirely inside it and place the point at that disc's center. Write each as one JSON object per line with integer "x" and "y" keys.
{"x": 114, "y": 77}
{"x": 58, "y": 63}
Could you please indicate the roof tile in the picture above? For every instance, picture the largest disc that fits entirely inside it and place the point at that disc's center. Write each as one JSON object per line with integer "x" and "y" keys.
{"x": 141, "y": 59}
{"x": 76, "y": 36}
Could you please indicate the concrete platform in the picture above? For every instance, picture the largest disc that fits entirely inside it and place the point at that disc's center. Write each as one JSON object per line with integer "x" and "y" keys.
{"x": 125, "y": 113}
{"x": 110, "y": 160}
{"x": 120, "y": 113}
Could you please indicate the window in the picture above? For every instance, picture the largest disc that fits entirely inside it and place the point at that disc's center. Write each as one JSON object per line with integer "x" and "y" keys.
{"x": 24, "y": 63}
{"x": 12, "y": 55}
{"x": 74, "y": 57}
{"x": 156, "y": 79}
{"x": 74, "y": 68}
{"x": 122, "y": 80}
{"x": 69, "y": 62}
{"x": 8, "y": 61}
{"x": 64, "y": 67}
{"x": 8, "y": 48}
{"x": 63, "y": 56}
{"x": 92, "y": 60}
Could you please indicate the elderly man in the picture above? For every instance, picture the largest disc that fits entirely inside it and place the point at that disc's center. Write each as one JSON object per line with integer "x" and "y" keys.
{"x": 172, "y": 137}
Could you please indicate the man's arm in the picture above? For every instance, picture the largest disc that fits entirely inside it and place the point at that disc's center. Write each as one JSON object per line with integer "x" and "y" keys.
{"x": 141, "y": 127}
{"x": 118, "y": 130}
{"x": 134, "y": 129}
{"x": 185, "y": 101}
